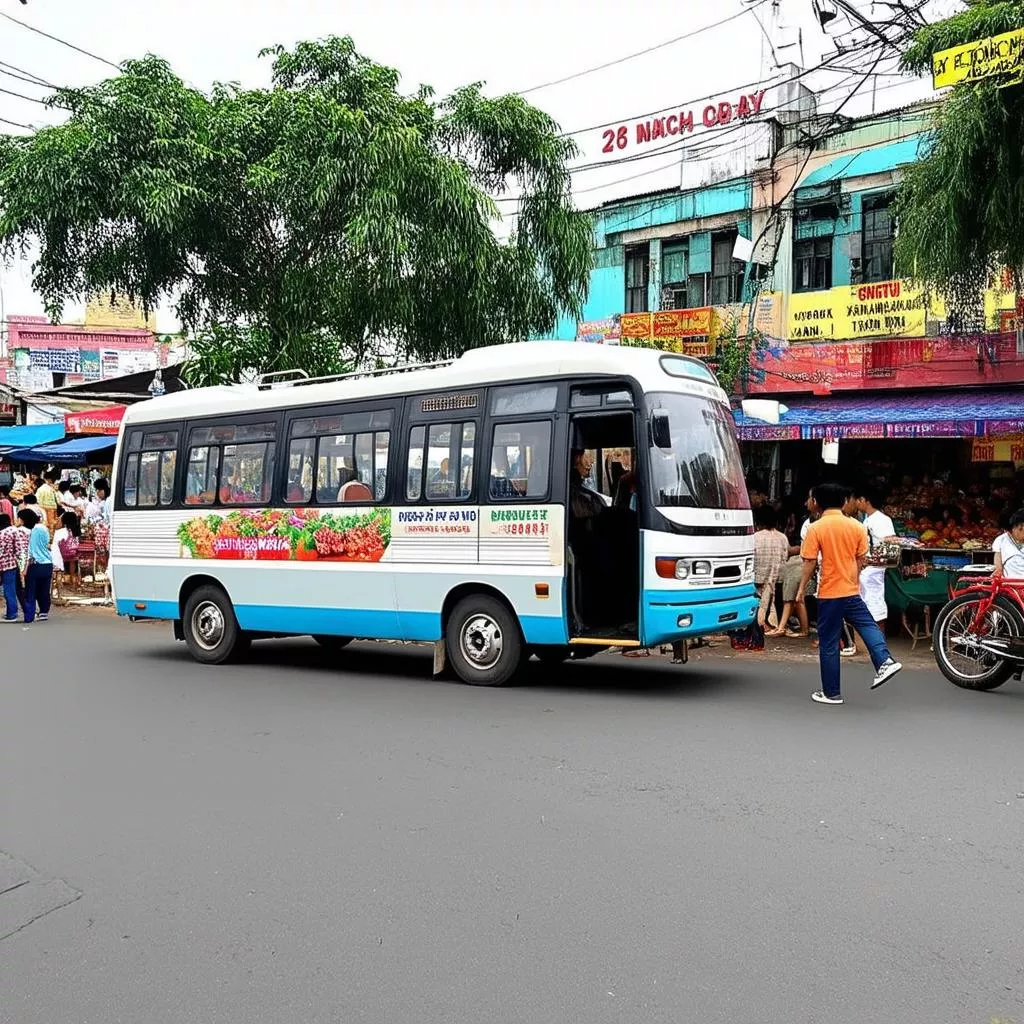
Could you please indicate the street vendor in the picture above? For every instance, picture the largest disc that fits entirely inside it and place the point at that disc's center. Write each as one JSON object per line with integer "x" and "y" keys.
{"x": 881, "y": 532}
{"x": 1009, "y": 549}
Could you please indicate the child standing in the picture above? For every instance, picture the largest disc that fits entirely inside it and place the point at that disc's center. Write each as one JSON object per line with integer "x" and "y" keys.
{"x": 39, "y": 574}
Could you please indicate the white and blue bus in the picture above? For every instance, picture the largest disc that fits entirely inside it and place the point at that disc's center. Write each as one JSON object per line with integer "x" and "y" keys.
{"x": 553, "y": 499}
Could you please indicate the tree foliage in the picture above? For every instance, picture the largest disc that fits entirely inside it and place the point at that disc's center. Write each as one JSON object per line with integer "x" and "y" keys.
{"x": 961, "y": 205}
{"x": 306, "y": 224}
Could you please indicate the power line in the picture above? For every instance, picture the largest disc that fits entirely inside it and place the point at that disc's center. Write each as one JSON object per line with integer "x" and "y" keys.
{"x": 63, "y": 42}
{"x": 31, "y": 99}
{"x": 640, "y": 53}
{"x": 17, "y": 124}
{"x": 31, "y": 76}
{"x": 23, "y": 77}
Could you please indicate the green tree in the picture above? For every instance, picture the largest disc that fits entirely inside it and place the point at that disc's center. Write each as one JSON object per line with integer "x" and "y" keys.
{"x": 961, "y": 205}
{"x": 309, "y": 224}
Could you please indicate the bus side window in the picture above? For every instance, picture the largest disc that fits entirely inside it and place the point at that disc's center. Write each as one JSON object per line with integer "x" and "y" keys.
{"x": 201, "y": 478}
{"x": 301, "y": 453}
{"x": 520, "y": 460}
{"x": 414, "y": 483}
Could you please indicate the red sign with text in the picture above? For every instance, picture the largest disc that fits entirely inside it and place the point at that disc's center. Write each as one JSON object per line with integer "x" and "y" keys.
{"x": 681, "y": 122}
{"x": 896, "y": 363}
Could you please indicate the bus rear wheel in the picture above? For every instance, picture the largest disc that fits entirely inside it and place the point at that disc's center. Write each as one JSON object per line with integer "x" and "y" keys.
{"x": 483, "y": 642}
{"x": 210, "y": 628}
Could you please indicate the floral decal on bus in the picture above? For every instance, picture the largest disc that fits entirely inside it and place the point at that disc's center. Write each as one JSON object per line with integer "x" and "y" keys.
{"x": 304, "y": 535}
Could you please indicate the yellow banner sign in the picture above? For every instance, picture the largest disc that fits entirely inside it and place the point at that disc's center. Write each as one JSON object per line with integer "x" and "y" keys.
{"x": 887, "y": 309}
{"x": 997, "y": 55}
{"x": 997, "y": 449}
{"x": 120, "y": 313}
{"x": 691, "y": 332}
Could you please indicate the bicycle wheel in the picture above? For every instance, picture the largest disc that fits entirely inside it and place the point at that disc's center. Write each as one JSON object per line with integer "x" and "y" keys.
{"x": 957, "y": 653}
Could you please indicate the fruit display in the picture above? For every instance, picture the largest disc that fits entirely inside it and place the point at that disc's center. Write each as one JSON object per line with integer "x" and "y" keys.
{"x": 282, "y": 534}
{"x": 953, "y": 519}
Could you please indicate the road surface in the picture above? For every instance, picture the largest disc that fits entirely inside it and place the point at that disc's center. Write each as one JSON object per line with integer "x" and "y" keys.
{"x": 301, "y": 839}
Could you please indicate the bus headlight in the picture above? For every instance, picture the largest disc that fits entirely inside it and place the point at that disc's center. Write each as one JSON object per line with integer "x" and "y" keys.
{"x": 672, "y": 568}
{"x": 702, "y": 568}
{"x": 748, "y": 566}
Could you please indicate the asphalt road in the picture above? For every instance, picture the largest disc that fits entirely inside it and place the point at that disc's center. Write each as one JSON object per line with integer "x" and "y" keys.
{"x": 298, "y": 841}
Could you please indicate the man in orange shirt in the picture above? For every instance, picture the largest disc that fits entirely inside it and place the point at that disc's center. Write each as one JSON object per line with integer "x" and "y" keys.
{"x": 842, "y": 545}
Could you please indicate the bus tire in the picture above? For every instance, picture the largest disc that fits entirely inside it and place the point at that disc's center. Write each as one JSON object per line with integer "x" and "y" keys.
{"x": 210, "y": 628}
{"x": 483, "y": 642}
{"x": 332, "y": 643}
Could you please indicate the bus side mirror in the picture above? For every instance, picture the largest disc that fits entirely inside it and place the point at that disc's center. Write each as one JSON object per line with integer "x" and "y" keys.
{"x": 661, "y": 435}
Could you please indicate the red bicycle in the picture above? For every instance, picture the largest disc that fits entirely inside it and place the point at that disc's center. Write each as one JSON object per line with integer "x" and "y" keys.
{"x": 979, "y": 634}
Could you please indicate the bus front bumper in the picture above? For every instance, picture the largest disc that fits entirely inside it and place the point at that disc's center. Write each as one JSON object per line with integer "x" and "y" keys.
{"x": 670, "y": 615}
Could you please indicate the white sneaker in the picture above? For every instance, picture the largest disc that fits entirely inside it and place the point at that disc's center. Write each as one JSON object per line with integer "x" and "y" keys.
{"x": 847, "y": 652}
{"x": 886, "y": 672}
{"x": 821, "y": 698}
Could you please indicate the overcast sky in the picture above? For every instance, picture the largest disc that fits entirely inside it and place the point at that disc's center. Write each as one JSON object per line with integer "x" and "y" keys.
{"x": 512, "y": 45}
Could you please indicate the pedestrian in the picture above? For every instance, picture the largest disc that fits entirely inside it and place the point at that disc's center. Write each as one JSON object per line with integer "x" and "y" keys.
{"x": 39, "y": 574}
{"x": 842, "y": 545}
{"x": 881, "y": 533}
{"x": 6, "y": 506}
{"x": 1009, "y": 549}
{"x": 770, "y": 552}
{"x": 98, "y": 516}
{"x": 46, "y": 498}
{"x": 13, "y": 562}
{"x": 64, "y": 547}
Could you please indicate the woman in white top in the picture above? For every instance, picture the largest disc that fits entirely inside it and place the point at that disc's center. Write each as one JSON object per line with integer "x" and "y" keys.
{"x": 1009, "y": 549}
{"x": 64, "y": 547}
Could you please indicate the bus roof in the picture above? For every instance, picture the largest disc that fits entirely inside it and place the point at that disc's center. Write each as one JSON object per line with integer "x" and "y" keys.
{"x": 478, "y": 367}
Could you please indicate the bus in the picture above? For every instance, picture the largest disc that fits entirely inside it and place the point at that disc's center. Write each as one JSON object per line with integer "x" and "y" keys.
{"x": 548, "y": 499}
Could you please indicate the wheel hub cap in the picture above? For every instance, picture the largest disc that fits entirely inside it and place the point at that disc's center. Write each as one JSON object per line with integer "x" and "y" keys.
{"x": 208, "y": 625}
{"x": 482, "y": 641}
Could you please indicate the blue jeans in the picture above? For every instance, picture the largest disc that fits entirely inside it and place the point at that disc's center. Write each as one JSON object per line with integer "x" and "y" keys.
{"x": 13, "y": 593}
{"x": 831, "y": 613}
{"x": 38, "y": 581}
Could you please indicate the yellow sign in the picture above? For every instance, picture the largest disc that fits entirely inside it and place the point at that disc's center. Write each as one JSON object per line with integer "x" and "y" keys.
{"x": 997, "y": 55}
{"x": 998, "y": 449}
{"x": 691, "y": 332}
{"x": 888, "y": 309}
{"x": 120, "y": 313}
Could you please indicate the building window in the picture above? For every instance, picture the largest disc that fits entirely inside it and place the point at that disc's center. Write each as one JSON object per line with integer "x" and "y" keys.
{"x": 879, "y": 233}
{"x": 696, "y": 292}
{"x": 638, "y": 268}
{"x": 812, "y": 270}
{"x": 726, "y": 273}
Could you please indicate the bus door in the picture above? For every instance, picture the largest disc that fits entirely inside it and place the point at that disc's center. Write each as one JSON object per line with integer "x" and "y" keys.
{"x": 602, "y": 522}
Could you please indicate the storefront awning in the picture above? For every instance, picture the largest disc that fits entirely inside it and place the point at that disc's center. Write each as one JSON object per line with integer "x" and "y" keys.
{"x": 943, "y": 414}
{"x": 27, "y": 437}
{"x": 76, "y": 452}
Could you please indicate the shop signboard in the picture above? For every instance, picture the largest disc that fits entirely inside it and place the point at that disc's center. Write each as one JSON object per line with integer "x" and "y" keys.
{"x": 886, "y": 363}
{"x": 768, "y": 433}
{"x": 982, "y": 58}
{"x": 845, "y": 431}
{"x": 940, "y": 428}
{"x": 688, "y": 331}
{"x": 1003, "y": 428}
{"x": 886, "y": 309}
{"x": 998, "y": 449}
{"x": 95, "y": 421}
{"x": 91, "y": 366}
{"x": 599, "y": 332}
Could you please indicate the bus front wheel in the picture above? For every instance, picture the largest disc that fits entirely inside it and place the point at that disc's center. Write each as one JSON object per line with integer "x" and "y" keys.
{"x": 210, "y": 628}
{"x": 483, "y": 642}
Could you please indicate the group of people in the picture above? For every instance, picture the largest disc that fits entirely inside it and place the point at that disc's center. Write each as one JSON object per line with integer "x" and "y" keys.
{"x": 837, "y": 558}
{"x": 41, "y": 521}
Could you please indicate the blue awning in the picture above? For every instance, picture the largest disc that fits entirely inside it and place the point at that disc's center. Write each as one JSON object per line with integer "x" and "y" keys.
{"x": 964, "y": 413}
{"x": 75, "y": 452}
{"x": 28, "y": 437}
{"x": 876, "y": 160}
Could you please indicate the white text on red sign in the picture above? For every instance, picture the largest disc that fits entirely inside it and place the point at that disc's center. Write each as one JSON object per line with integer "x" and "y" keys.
{"x": 681, "y": 123}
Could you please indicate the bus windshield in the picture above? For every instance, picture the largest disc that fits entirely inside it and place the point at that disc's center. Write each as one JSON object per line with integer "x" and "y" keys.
{"x": 703, "y": 468}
